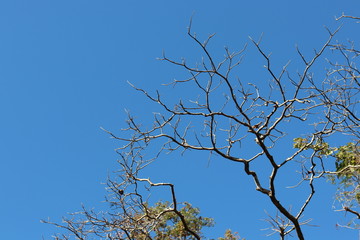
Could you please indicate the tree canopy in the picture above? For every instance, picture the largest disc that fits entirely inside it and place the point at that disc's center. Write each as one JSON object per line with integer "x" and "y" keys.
{"x": 246, "y": 122}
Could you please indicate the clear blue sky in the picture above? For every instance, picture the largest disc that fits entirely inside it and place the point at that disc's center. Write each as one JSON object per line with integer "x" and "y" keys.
{"x": 63, "y": 72}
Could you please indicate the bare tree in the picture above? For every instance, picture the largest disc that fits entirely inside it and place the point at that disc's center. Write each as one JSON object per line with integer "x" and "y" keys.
{"x": 231, "y": 115}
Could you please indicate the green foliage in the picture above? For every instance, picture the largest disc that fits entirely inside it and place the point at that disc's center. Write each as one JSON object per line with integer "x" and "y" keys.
{"x": 300, "y": 143}
{"x": 347, "y": 157}
{"x": 347, "y": 160}
{"x": 167, "y": 224}
{"x": 229, "y": 235}
{"x": 170, "y": 225}
{"x": 348, "y": 171}
{"x": 319, "y": 146}
{"x": 347, "y": 165}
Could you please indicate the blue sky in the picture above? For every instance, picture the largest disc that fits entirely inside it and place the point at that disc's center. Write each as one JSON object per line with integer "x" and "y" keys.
{"x": 63, "y": 72}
